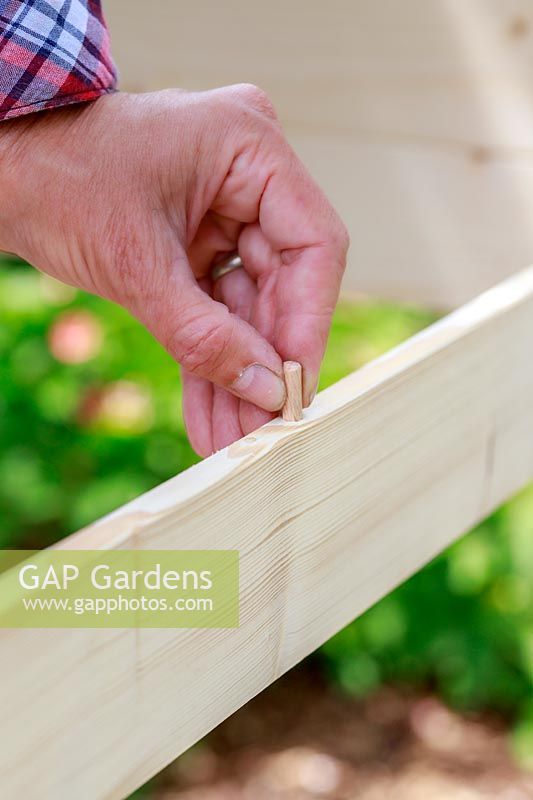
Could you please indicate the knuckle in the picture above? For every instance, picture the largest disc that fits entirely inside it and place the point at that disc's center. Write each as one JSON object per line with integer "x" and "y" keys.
{"x": 344, "y": 237}
{"x": 256, "y": 98}
{"x": 201, "y": 345}
{"x": 340, "y": 236}
{"x": 343, "y": 245}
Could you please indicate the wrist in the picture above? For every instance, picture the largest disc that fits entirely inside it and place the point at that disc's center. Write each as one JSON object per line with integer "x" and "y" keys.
{"x": 12, "y": 170}
{"x": 37, "y": 166}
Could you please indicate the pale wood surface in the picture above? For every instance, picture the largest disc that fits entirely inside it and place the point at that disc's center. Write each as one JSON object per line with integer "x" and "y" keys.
{"x": 387, "y": 467}
{"x": 416, "y": 117}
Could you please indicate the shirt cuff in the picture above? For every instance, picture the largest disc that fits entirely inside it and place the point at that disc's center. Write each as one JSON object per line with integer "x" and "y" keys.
{"x": 52, "y": 53}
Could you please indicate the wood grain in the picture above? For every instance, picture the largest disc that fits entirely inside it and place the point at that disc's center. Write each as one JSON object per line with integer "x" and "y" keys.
{"x": 387, "y": 467}
{"x": 416, "y": 118}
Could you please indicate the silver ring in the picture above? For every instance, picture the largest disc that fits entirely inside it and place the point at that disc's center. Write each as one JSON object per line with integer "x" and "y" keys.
{"x": 227, "y": 264}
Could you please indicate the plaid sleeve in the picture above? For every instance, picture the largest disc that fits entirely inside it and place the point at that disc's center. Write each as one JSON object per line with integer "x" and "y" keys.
{"x": 52, "y": 53}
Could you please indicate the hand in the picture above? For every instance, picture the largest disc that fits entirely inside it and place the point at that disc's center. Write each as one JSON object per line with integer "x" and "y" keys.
{"x": 135, "y": 197}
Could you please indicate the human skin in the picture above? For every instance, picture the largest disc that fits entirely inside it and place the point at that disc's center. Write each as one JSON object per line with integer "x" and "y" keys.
{"x": 135, "y": 197}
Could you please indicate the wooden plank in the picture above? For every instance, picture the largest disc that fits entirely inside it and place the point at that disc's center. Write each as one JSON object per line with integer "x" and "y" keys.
{"x": 329, "y": 514}
{"x": 416, "y": 117}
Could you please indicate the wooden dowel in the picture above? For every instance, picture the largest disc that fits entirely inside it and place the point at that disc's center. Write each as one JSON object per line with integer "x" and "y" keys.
{"x": 292, "y": 410}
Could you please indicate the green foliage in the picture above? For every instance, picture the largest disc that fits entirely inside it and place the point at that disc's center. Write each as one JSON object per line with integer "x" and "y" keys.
{"x": 462, "y": 625}
{"x": 79, "y": 439}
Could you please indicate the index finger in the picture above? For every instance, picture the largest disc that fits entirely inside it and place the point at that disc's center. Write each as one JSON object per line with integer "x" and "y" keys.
{"x": 312, "y": 242}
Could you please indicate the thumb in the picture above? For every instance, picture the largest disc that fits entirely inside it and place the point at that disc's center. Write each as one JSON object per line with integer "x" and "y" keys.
{"x": 210, "y": 342}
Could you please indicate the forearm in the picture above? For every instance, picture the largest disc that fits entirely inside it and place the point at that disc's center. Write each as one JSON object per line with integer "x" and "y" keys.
{"x": 51, "y": 55}
{"x": 9, "y": 181}
{"x": 30, "y": 167}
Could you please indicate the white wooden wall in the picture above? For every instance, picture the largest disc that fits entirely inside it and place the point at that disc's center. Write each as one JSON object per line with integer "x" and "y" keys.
{"x": 415, "y": 115}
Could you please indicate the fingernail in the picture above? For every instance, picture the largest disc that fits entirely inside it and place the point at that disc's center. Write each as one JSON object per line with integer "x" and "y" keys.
{"x": 260, "y": 386}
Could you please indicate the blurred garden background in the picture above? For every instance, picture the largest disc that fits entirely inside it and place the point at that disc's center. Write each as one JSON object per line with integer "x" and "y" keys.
{"x": 437, "y": 676}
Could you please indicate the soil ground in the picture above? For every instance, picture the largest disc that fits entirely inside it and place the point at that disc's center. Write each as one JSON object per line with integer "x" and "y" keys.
{"x": 303, "y": 740}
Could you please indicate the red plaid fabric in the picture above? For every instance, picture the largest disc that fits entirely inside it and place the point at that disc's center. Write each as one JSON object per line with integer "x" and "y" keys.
{"x": 52, "y": 53}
